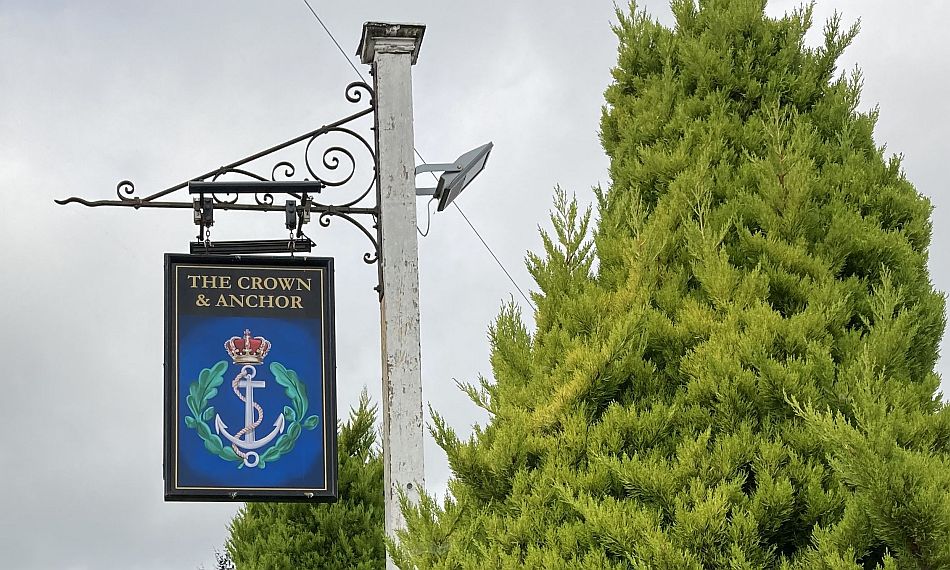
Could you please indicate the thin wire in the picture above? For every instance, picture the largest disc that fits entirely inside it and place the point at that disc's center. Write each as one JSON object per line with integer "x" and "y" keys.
{"x": 329, "y": 33}
{"x": 428, "y": 218}
{"x": 510, "y": 278}
{"x": 469, "y": 222}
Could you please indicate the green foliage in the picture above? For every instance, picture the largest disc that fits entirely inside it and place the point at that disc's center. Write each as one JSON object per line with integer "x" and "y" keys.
{"x": 295, "y": 389}
{"x": 746, "y": 380}
{"x": 199, "y": 394}
{"x": 297, "y": 392}
{"x": 340, "y": 536}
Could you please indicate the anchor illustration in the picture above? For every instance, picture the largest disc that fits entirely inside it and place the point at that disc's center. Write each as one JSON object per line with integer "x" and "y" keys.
{"x": 248, "y": 351}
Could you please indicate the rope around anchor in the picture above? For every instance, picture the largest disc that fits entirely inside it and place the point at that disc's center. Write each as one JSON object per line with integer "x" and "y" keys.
{"x": 260, "y": 411}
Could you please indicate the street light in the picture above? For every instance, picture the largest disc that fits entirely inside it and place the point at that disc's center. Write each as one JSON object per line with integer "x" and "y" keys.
{"x": 456, "y": 175}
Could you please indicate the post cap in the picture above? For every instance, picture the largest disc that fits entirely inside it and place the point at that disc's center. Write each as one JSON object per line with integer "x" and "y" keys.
{"x": 405, "y": 38}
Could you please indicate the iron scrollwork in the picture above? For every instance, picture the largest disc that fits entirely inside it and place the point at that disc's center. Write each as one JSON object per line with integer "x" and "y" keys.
{"x": 330, "y": 159}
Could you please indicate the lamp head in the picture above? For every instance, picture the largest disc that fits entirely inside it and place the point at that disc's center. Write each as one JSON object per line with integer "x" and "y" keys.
{"x": 469, "y": 165}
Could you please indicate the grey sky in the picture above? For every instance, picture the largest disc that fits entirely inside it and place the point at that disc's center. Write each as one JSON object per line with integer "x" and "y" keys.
{"x": 93, "y": 92}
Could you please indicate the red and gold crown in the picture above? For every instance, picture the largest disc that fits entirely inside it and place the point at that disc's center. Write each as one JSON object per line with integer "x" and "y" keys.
{"x": 247, "y": 350}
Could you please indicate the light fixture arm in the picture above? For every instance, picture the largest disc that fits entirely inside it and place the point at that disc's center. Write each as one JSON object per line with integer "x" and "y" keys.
{"x": 443, "y": 167}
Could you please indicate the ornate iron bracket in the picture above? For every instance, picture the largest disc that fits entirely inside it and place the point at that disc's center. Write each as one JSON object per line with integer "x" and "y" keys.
{"x": 328, "y": 164}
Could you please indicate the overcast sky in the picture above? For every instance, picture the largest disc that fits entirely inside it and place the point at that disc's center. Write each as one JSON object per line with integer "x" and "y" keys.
{"x": 94, "y": 92}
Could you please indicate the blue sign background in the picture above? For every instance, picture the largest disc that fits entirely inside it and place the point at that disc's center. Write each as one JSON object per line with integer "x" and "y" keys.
{"x": 201, "y": 345}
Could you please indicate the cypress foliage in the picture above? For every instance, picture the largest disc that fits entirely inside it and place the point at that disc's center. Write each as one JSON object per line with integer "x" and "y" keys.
{"x": 746, "y": 379}
{"x": 347, "y": 535}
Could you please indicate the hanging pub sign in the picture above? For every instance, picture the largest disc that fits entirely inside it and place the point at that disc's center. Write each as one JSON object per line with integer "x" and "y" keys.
{"x": 250, "y": 394}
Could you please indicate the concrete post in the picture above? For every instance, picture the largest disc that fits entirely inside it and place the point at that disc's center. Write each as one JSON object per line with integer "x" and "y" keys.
{"x": 392, "y": 49}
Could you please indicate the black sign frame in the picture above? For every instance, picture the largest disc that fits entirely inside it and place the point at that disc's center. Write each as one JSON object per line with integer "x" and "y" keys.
{"x": 328, "y": 420}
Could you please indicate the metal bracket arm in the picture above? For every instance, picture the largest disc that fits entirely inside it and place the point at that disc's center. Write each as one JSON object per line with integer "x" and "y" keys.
{"x": 443, "y": 167}
{"x": 293, "y": 187}
{"x": 328, "y": 162}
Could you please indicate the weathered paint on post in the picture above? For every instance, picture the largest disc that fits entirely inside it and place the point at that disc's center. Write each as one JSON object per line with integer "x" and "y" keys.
{"x": 392, "y": 50}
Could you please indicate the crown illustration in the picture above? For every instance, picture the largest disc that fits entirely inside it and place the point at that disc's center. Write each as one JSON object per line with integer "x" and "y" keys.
{"x": 247, "y": 350}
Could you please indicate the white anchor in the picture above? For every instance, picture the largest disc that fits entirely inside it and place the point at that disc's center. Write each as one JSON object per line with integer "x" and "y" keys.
{"x": 249, "y": 442}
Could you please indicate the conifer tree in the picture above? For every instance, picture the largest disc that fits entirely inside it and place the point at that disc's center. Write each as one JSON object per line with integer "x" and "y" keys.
{"x": 737, "y": 370}
{"x": 346, "y": 535}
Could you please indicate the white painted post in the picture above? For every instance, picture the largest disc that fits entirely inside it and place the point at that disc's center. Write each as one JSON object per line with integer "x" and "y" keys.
{"x": 392, "y": 49}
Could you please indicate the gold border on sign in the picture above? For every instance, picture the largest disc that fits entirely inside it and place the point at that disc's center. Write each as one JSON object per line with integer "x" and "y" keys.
{"x": 323, "y": 364}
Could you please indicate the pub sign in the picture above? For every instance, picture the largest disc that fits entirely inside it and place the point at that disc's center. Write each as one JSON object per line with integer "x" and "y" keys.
{"x": 250, "y": 394}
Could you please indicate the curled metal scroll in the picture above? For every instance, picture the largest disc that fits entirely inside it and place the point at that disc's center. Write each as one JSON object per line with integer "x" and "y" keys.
{"x": 125, "y": 190}
{"x": 354, "y": 93}
{"x": 288, "y": 171}
{"x": 368, "y": 257}
{"x": 331, "y": 161}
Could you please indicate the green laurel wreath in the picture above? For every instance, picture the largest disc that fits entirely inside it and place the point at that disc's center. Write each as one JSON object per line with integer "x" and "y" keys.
{"x": 201, "y": 392}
